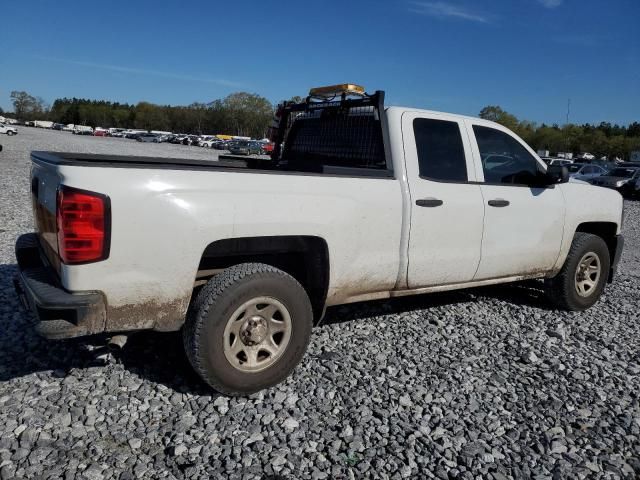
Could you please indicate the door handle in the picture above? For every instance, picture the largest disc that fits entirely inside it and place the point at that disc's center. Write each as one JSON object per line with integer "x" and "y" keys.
{"x": 429, "y": 202}
{"x": 498, "y": 202}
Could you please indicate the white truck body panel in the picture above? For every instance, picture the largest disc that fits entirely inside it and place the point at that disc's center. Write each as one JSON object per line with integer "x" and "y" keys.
{"x": 445, "y": 242}
{"x": 172, "y": 215}
{"x": 533, "y": 222}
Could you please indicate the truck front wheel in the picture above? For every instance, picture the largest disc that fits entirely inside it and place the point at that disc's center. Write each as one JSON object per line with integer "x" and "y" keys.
{"x": 248, "y": 328}
{"x": 584, "y": 274}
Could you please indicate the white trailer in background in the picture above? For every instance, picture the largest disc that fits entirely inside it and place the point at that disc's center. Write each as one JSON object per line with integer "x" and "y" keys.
{"x": 42, "y": 124}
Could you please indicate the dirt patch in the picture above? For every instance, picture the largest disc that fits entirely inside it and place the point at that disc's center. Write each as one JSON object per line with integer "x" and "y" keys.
{"x": 163, "y": 316}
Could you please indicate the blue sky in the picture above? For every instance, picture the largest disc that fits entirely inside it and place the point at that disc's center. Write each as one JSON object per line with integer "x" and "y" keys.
{"x": 528, "y": 56}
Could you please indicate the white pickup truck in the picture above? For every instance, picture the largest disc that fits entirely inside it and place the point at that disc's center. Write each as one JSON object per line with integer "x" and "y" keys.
{"x": 358, "y": 202}
{"x": 7, "y": 129}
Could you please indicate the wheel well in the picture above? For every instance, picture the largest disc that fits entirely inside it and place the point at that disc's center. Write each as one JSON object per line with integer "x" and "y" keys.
{"x": 305, "y": 258}
{"x": 605, "y": 230}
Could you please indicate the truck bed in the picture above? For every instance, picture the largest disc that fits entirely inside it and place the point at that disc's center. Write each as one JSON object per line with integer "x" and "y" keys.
{"x": 224, "y": 163}
{"x": 129, "y": 161}
{"x": 165, "y": 213}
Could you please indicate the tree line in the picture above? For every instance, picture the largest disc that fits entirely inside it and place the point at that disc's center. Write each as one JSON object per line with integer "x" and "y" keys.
{"x": 240, "y": 113}
{"x": 249, "y": 114}
{"x": 602, "y": 140}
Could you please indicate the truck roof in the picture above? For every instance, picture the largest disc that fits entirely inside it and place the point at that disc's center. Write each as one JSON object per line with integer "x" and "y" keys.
{"x": 399, "y": 110}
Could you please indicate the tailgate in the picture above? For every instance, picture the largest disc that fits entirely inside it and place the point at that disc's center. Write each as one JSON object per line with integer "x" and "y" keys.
{"x": 45, "y": 179}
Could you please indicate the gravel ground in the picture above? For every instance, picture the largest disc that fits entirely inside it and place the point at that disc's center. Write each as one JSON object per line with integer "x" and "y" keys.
{"x": 488, "y": 383}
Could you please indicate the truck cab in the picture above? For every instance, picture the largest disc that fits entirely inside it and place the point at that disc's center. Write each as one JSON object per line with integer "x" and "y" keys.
{"x": 510, "y": 219}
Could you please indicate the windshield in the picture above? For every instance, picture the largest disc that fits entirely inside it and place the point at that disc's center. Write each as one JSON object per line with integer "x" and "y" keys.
{"x": 623, "y": 172}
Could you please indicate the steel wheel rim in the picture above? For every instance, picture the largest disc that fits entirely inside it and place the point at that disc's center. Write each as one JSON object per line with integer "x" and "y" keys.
{"x": 588, "y": 274}
{"x": 257, "y": 334}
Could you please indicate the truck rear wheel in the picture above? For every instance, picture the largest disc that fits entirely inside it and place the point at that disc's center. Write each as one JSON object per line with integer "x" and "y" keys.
{"x": 248, "y": 328}
{"x": 584, "y": 274}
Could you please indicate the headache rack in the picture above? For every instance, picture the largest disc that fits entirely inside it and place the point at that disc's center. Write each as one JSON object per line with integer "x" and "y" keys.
{"x": 333, "y": 135}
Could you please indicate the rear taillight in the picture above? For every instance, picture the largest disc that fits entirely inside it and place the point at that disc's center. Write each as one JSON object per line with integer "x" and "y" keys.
{"x": 83, "y": 223}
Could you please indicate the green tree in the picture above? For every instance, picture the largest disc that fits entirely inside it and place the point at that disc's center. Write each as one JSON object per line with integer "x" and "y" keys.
{"x": 633, "y": 130}
{"x": 496, "y": 114}
{"x": 597, "y": 143}
{"x": 23, "y": 104}
{"x": 150, "y": 117}
{"x": 198, "y": 113}
{"x": 249, "y": 113}
{"x": 547, "y": 138}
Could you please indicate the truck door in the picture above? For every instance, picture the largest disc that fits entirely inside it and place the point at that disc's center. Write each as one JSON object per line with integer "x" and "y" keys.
{"x": 523, "y": 224}
{"x": 446, "y": 209}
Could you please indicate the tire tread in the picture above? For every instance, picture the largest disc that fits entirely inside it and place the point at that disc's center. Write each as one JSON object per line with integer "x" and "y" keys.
{"x": 198, "y": 313}
{"x": 557, "y": 288}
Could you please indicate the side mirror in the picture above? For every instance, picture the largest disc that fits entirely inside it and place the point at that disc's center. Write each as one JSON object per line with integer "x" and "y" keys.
{"x": 557, "y": 174}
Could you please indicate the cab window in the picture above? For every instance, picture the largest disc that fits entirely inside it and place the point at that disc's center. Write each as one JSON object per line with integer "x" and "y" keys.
{"x": 504, "y": 159}
{"x": 440, "y": 150}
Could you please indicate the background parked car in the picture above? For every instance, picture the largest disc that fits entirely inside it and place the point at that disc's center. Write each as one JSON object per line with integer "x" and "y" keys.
{"x": 221, "y": 145}
{"x": 495, "y": 161}
{"x": 584, "y": 171}
{"x": 133, "y": 134}
{"x": 148, "y": 138}
{"x": 634, "y": 189}
{"x": 560, "y": 161}
{"x": 8, "y": 130}
{"x": 621, "y": 179}
{"x": 116, "y": 132}
{"x": 191, "y": 140}
{"x": 82, "y": 130}
{"x": 206, "y": 141}
{"x": 267, "y": 148}
{"x": 245, "y": 148}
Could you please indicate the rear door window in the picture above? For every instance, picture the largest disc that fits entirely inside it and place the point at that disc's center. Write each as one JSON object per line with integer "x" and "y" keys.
{"x": 440, "y": 150}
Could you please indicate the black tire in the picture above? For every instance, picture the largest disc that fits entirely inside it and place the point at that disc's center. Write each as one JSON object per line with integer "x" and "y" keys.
{"x": 562, "y": 289}
{"x": 10, "y": 133}
{"x": 203, "y": 334}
